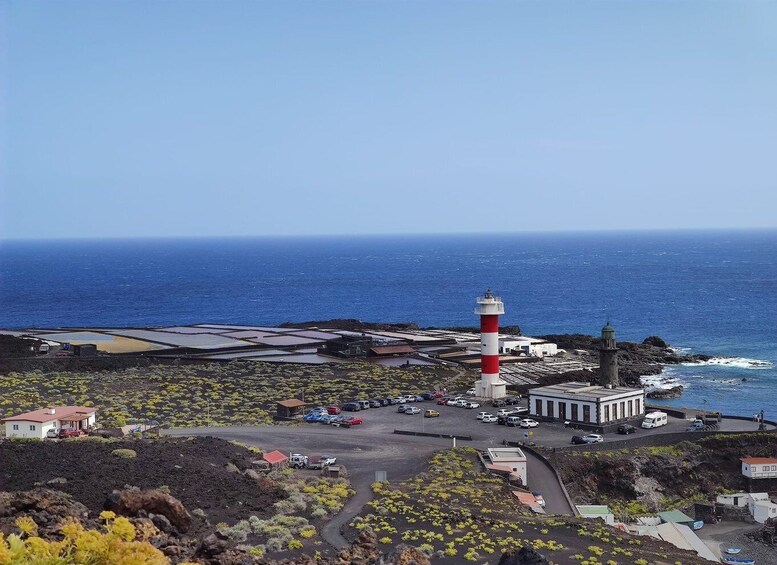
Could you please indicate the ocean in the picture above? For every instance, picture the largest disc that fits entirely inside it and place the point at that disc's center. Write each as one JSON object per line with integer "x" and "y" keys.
{"x": 705, "y": 292}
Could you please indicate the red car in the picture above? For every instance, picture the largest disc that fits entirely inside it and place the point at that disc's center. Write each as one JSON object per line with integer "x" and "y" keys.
{"x": 442, "y": 400}
{"x": 354, "y": 420}
{"x": 333, "y": 410}
{"x": 437, "y": 394}
{"x": 69, "y": 432}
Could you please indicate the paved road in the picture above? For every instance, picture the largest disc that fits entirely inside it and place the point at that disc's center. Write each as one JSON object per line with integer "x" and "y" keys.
{"x": 363, "y": 452}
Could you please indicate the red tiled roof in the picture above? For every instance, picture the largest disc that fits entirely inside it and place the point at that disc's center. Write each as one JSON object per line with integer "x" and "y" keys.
{"x": 293, "y": 403}
{"x": 274, "y": 457}
{"x": 60, "y": 413}
{"x": 759, "y": 460}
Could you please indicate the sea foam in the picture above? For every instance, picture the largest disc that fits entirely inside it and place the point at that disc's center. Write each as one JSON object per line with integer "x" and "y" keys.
{"x": 734, "y": 362}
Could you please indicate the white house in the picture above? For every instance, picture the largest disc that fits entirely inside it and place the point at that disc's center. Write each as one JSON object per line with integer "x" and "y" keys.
{"x": 531, "y": 346}
{"x": 36, "y": 424}
{"x": 596, "y": 511}
{"x": 509, "y": 458}
{"x": 759, "y": 467}
{"x": 586, "y": 403}
{"x": 738, "y": 499}
{"x": 760, "y": 507}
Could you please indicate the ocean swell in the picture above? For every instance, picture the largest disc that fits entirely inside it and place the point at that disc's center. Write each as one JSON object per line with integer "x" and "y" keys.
{"x": 734, "y": 362}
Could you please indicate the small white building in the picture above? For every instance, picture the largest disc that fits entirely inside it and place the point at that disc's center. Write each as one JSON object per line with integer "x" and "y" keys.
{"x": 596, "y": 511}
{"x": 738, "y": 499}
{"x": 759, "y": 467}
{"x": 523, "y": 345}
{"x": 37, "y": 424}
{"x": 586, "y": 403}
{"x": 509, "y": 457}
{"x": 760, "y": 507}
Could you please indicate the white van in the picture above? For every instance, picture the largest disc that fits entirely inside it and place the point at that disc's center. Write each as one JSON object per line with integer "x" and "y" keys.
{"x": 654, "y": 420}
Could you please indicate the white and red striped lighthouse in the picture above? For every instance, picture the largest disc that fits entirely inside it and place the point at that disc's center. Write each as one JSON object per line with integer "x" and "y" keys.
{"x": 489, "y": 309}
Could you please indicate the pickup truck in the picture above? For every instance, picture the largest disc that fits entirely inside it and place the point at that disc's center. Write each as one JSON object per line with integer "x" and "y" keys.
{"x": 321, "y": 461}
{"x": 298, "y": 461}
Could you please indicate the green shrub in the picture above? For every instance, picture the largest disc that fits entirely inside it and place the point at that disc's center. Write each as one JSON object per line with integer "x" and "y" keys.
{"x": 125, "y": 453}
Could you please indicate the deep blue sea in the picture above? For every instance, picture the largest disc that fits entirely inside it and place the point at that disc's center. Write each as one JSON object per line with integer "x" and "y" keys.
{"x": 712, "y": 292}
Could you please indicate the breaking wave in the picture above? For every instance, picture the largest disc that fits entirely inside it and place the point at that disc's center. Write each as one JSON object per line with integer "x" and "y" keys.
{"x": 735, "y": 362}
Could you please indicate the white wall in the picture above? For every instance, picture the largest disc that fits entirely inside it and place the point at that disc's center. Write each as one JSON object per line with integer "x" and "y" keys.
{"x": 762, "y": 511}
{"x": 24, "y": 430}
{"x": 580, "y": 403}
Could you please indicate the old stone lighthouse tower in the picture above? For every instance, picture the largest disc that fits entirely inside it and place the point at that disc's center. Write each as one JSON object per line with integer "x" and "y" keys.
{"x": 608, "y": 357}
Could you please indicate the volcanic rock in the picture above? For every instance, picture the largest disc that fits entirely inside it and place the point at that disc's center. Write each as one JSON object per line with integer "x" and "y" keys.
{"x": 130, "y": 502}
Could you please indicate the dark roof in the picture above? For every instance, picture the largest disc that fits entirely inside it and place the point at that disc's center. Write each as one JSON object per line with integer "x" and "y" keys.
{"x": 392, "y": 349}
{"x": 293, "y": 403}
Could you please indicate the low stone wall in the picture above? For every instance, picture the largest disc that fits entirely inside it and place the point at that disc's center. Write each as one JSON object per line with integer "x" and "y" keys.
{"x": 427, "y": 434}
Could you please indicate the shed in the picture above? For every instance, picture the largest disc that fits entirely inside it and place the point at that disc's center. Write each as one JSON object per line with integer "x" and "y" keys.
{"x": 276, "y": 459}
{"x": 383, "y": 350}
{"x": 289, "y": 408}
{"x": 85, "y": 350}
{"x": 596, "y": 511}
{"x": 676, "y": 517}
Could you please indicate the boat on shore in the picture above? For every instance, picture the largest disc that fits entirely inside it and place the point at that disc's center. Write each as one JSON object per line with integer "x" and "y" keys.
{"x": 733, "y": 550}
{"x": 737, "y": 560}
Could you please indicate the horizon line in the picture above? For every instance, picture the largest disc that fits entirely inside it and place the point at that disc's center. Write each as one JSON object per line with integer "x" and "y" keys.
{"x": 588, "y": 231}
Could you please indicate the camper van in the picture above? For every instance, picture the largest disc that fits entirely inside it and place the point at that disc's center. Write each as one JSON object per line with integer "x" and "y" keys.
{"x": 654, "y": 420}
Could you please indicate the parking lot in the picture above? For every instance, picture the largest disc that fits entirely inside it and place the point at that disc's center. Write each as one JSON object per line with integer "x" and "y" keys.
{"x": 463, "y": 422}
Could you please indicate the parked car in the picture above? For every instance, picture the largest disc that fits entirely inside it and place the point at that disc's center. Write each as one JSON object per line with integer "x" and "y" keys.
{"x": 431, "y": 414}
{"x": 578, "y": 440}
{"x": 69, "y": 432}
{"x": 427, "y": 396}
{"x": 593, "y": 438}
{"x": 402, "y": 407}
{"x": 503, "y": 412}
{"x": 298, "y": 461}
{"x": 538, "y": 498}
{"x": 354, "y": 420}
{"x": 375, "y": 403}
{"x": 325, "y": 419}
{"x": 390, "y": 401}
{"x": 529, "y": 423}
{"x": 513, "y": 421}
{"x": 512, "y": 400}
{"x": 452, "y": 402}
{"x": 471, "y": 405}
{"x": 411, "y": 398}
{"x": 489, "y": 418}
{"x": 321, "y": 461}
{"x": 340, "y": 422}
{"x": 53, "y": 433}
{"x": 351, "y": 407}
{"x": 363, "y": 404}
{"x": 400, "y": 400}
{"x": 626, "y": 429}
{"x": 443, "y": 400}
{"x": 695, "y": 426}
{"x": 471, "y": 392}
{"x": 498, "y": 402}
{"x": 437, "y": 395}
{"x": 412, "y": 410}
{"x": 481, "y": 414}
{"x": 333, "y": 410}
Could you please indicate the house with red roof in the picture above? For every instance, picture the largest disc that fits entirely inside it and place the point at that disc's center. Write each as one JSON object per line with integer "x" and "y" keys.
{"x": 276, "y": 459}
{"x": 759, "y": 467}
{"x": 38, "y": 423}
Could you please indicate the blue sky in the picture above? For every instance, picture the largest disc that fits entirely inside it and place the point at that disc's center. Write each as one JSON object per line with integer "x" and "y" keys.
{"x": 203, "y": 118}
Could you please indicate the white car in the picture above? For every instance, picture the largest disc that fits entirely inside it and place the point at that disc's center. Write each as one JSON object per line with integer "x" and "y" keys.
{"x": 452, "y": 403}
{"x": 503, "y": 412}
{"x": 489, "y": 419}
{"x": 471, "y": 405}
{"x": 482, "y": 415}
{"x": 529, "y": 423}
{"x": 593, "y": 438}
{"x": 400, "y": 400}
{"x": 412, "y": 410}
{"x": 461, "y": 403}
{"x": 471, "y": 392}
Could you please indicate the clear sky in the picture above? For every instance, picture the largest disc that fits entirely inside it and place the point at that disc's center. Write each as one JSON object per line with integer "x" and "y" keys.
{"x": 177, "y": 118}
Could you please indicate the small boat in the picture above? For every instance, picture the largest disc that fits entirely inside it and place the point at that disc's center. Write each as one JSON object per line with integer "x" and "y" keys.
{"x": 733, "y": 550}
{"x": 737, "y": 560}
{"x": 698, "y": 525}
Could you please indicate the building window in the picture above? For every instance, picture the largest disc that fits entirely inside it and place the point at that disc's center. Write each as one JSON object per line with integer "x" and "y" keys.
{"x": 16, "y": 427}
{"x": 607, "y": 413}
{"x": 639, "y": 407}
{"x": 538, "y": 407}
{"x": 551, "y": 411}
{"x": 631, "y": 408}
{"x": 562, "y": 410}
{"x": 623, "y": 410}
{"x": 574, "y": 413}
{"x": 586, "y": 413}
{"x": 774, "y": 467}
{"x": 614, "y": 410}
{"x": 32, "y": 427}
